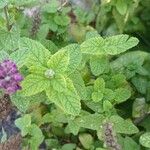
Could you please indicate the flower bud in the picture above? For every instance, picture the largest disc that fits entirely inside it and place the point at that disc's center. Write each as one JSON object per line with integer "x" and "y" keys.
{"x": 49, "y": 73}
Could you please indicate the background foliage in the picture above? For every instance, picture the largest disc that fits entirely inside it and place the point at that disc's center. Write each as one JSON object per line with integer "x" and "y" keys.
{"x": 86, "y": 72}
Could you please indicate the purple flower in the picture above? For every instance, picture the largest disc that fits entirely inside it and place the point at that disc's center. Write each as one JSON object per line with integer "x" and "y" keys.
{"x": 9, "y": 77}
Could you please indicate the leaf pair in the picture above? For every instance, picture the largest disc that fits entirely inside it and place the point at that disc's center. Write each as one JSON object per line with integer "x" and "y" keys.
{"x": 49, "y": 73}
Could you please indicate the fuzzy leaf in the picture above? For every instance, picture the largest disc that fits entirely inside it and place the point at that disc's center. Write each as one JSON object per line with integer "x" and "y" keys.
{"x": 59, "y": 83}
{"x": 97, "y": 96}
{"x": 99, "y": 85}
{"x": 23, "y": 124}
{"x": 79, "y": 84}
{"x": 75, "y": 57}
{"x": 109, "y": 94}
{"x": 129, "y": 63}
{"x": 122, "y": 94}
{"x": 99, "y": 65}
{"x": 20, "y": 57}
{"x": 139, "y": 107}
{"x": 34, "y": 84}
{"x": 38, "y": 54}
{"x": 96, "y": 107}
{"x": 37, "y": 136}
{"x": 62, "y": 20}
{"x": 86, "y": 140}
{"x": 3, "y": 3}
{"x": 145, "y": 139}
{"x": 90, "y": 121}
{"x": 68, "y": 100}
{"x": 69, "y": 146}
{"x": 22, "y": 2}
{"x": 51, "y": 7}
{"x": 121, "y": 6}
{"x": 9, "y": 40}
{"x": 141, "y": 84}
{"x": 92, "y": 34}
{"x": 111, "y": 45}
{"x": 130, "y": 144}
{"x": 50, "y": 45}
{"x": 123, "y": 126}
{"x": 3, "y": 55}
{"x": 107, "y": 106}
{"x": 59, "y": 62}
{"x": 22, "y": 103}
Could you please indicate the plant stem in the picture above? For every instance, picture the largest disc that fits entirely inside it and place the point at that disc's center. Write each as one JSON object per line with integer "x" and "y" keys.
{"x": 7, "y": 18}
{"x": 62, "y": 5}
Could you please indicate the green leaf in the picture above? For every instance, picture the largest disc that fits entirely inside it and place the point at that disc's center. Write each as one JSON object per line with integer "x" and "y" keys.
{"x": 3, "y": 3}
{"x": 99, "y": 85}
{"x": 86, "y": 140}
{"x": 69, "y": 146}
{"x": 90, "y": 121}
{"x": 120, "y": 43}
{"x": 145, "y": 139}
{"x": 22, "y": 103}
{"x": 50, "y": 45}
{"x": 129, "y": 63}
{"x": 55, "y": 116}
{"x": 38, "y": 54}
{"x": 141, "y": 84}
{"x": 109, "y": 94}
{"x": 52, "y": 25}
{"x": 130, "y": 144}
{"x": 20, "y": 57}
{"x": 42, "y": 32}
{"x": 59, "y": 62}
{"x": 51, "y": 7}
{"x": 107, "y": 106}
{"x": 89, "y": 91}
{"x": 79, "y": 84}
{"x": 139, "y": 107}
{"x": 23, "y": 124}
{"x": 3, "y": 55}
{"x": 62, "y": 20}
{"x": 9, "y": 40}
{"x": 116, "y": 81}
{"x": 75, "y": 57}
{"x": 37, "y": 136}
{"x": 99, "y": 64}
{"x": 122, "y": 94}
{"x": 97, "y": 96}
{"x": 59, "y": 83}
{"x": 68, "y": 100}
{"x": 22, "y": 2}
{"x": 121, "y": 6}
{"x": 52, "y": 143}
{"x": 111, "y": 45}
{"x": 34, "y": 84}
{"x": 123, "y": 126}
{"x": 92, "y": 34}
{"x": 96, "y": 107}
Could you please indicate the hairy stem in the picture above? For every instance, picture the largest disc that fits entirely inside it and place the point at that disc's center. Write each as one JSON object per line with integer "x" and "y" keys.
{"x": 62, "y": 5}
{"x": 7, "y": 18}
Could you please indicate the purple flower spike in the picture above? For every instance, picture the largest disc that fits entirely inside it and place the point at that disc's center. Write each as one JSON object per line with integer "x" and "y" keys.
{"x": 9, "y": 77}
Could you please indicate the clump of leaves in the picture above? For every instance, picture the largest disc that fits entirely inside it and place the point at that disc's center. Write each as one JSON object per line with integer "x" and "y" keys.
{"x": 69, "y": 93}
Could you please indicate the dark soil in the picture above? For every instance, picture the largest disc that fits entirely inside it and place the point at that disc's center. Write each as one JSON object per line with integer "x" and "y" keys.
{"x": 8, "y": 115}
